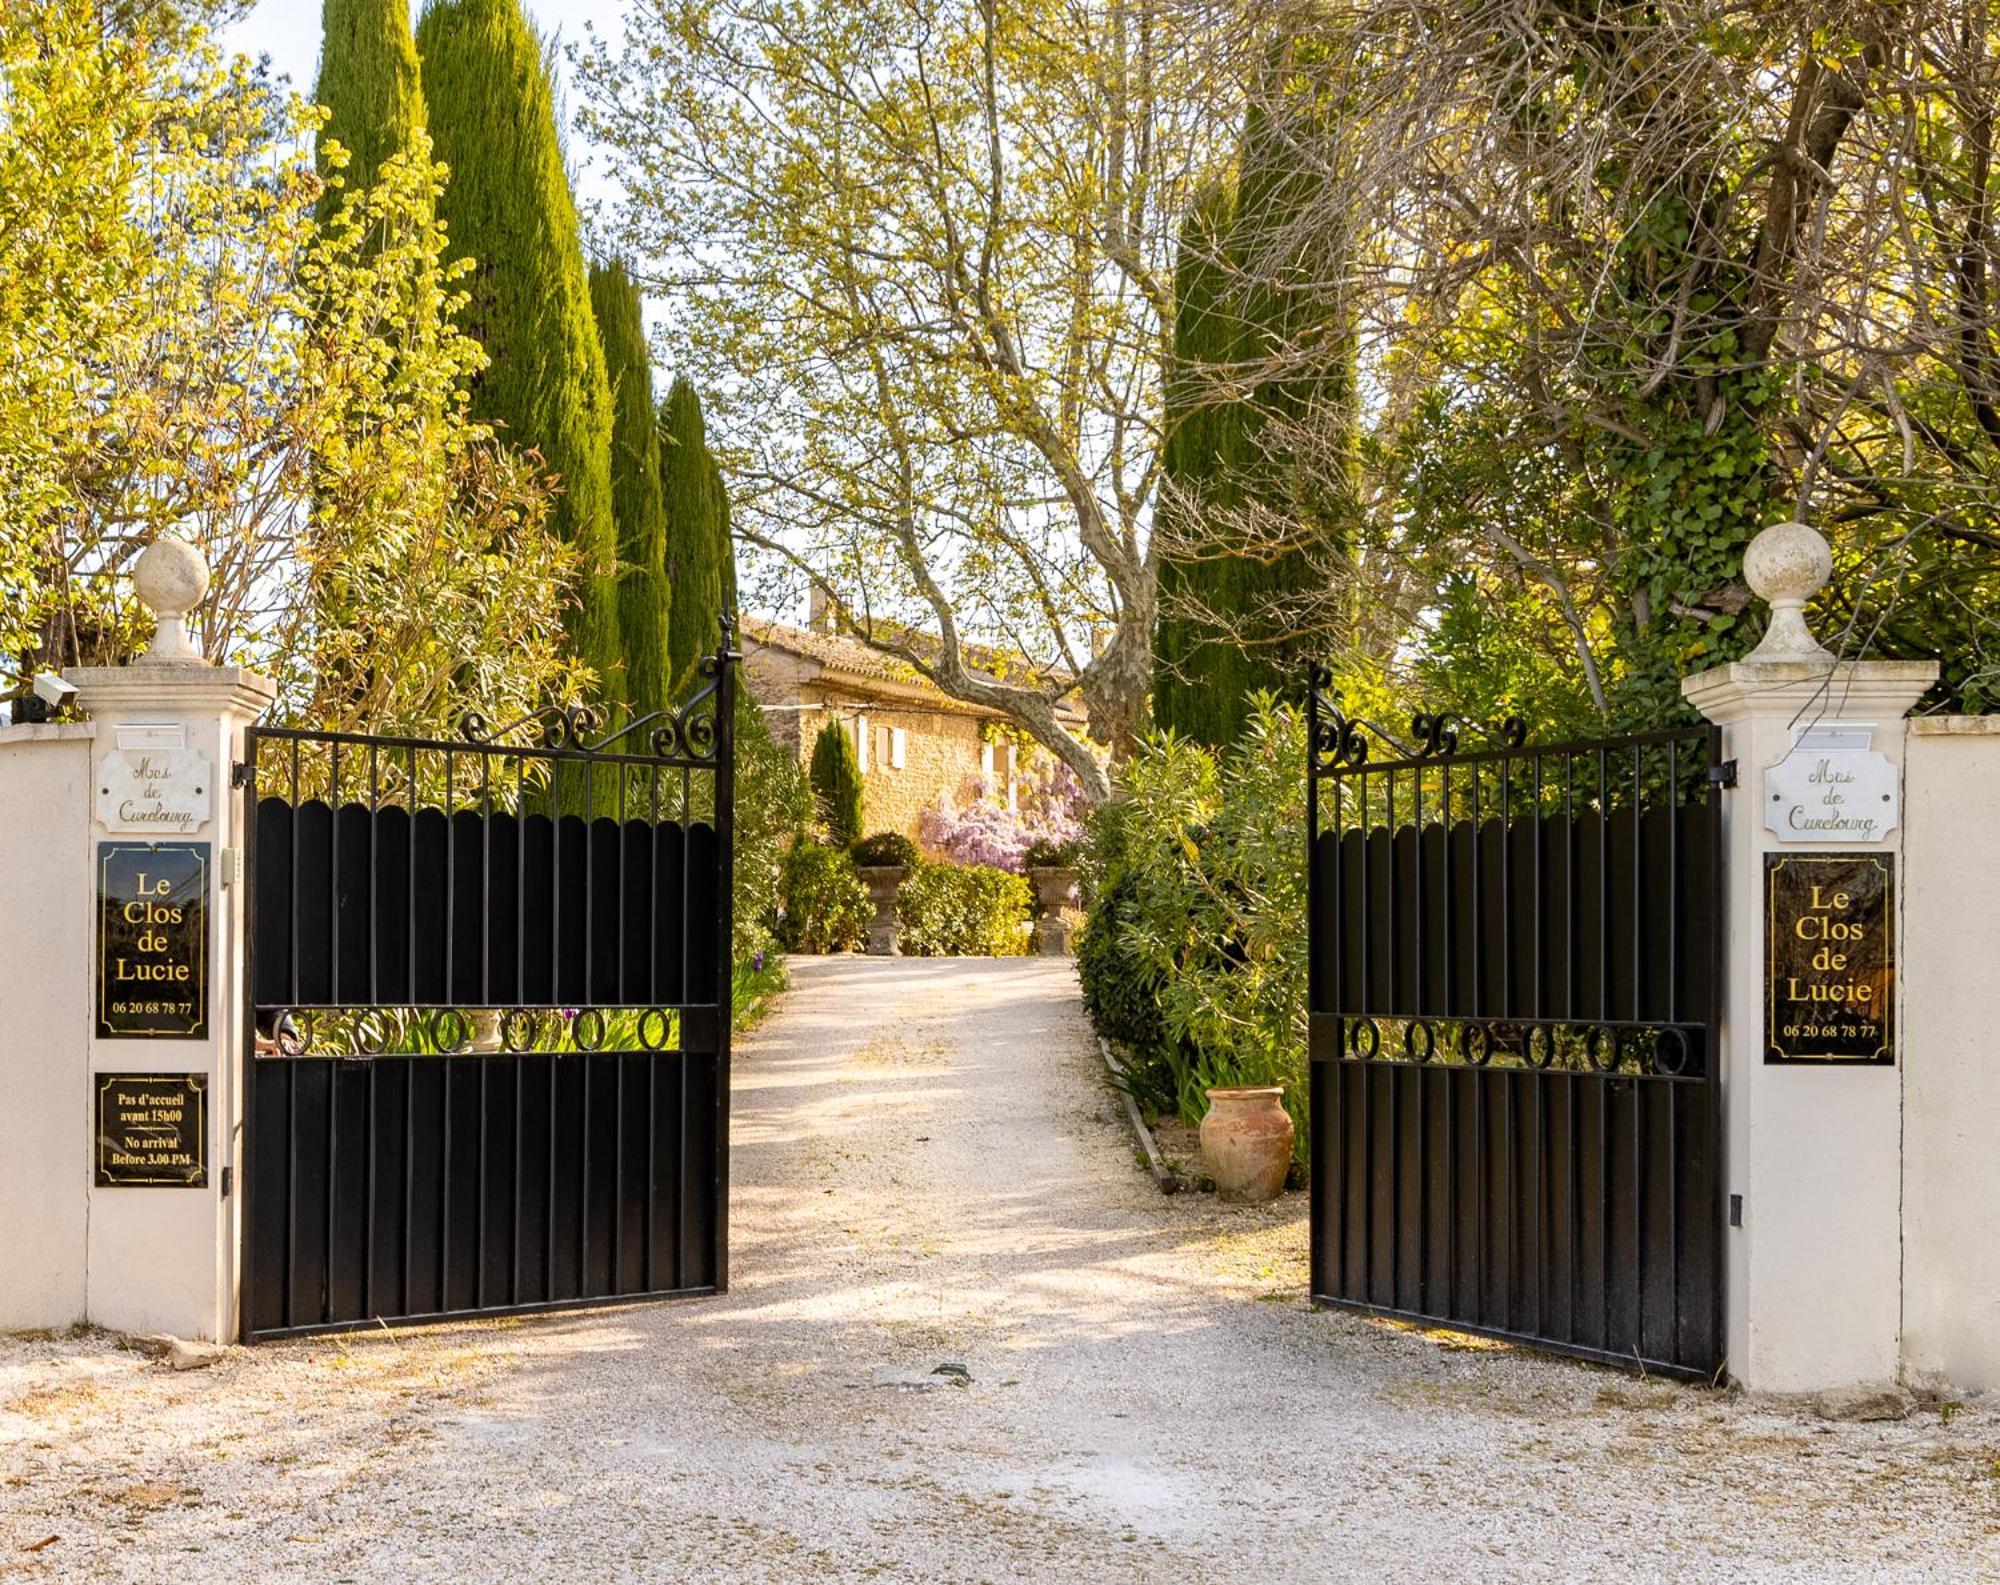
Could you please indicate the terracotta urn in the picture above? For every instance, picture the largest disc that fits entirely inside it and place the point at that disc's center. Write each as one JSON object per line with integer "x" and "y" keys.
{"x": 1055, "y": 894}
{"x": 883, "y": 881}
{"x": 1246, "y": 1142}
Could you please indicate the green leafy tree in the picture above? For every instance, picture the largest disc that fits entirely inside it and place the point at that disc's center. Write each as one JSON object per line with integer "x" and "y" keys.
{"x": 369, "y": 87}
{"x": 698, "y": 553}
{"x": 644, "y": 595}
{"x": 186, "y": 350}
{"x": 836, "y": 784}
{"x": 508, "y": 206}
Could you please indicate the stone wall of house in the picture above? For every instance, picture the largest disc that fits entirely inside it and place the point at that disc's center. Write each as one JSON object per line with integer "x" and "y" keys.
{"x": 940, "y": 752}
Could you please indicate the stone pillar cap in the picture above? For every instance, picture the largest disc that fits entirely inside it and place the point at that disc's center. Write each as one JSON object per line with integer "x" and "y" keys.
{"x": 171, "y": 578}
{"x": 1786, "y": 565}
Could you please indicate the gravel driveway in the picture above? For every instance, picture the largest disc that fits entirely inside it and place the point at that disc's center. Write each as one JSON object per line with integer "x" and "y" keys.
{"x": 928, "y": 1172}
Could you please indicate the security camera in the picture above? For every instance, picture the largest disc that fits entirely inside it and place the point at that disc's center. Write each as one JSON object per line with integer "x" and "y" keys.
{"x": 52, "y": 690}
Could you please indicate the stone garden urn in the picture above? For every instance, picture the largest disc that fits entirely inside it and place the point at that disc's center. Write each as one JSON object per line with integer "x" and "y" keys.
{"x": 1055, "y": 895}
{"x": 1246, "y": 1142}
{"x": 882, "y": 881}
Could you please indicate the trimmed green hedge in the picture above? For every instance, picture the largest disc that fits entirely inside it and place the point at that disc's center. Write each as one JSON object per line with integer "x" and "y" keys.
{"x": 964, "y": 910}
{"x": 823, "y": 905}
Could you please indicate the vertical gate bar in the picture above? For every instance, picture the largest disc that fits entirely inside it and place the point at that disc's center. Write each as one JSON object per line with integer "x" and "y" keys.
{"x": 1604, "y": 1006}
{"x": 520, "y": 883}
{"x": 409, "y": 1156}
{"x": 291, "y": 1181}
{"x": 1389, "y": 1075}
{"x": 371, "y": 936}
{"x": 1481, "y": 1197}
{"x": 368, "y": 1210}
{"x": 549, "y": 1238}
{"x": 1711, "y": 1052}
{"x": 653, "y": 886}
{"x": 1508, "y": 1007}
{"x": 1673, "y": 751}
{"x": 1638, "y": 884}
{"x": 444, "y": 1188}
{"x": 1366, "y": 998}
{"x": 618, "y": 1169}
{"x": 583, "y": 1165}
{"x": 333, "y": 875}
{"x": 1640, "y": 1085}
{"x": 1478, "y": 897}
{"x": 555, "y": 894}
{"x": 450, "y": 987}
{"x": 1606, "y": 1241}
{"x": 1510, "y": 1193}
{"x": 249, "y": 1081}
{"x": 1450, "y": 941}
{"x": 1422, "y": 1008}
{"x": 1570, "y": 975}
{"x": 514, "y": 1231}
{"x": 1675, "y": 1351}
{"x": 588, "y": 995}
{"x": 624, "y": 921}
{"x": 652, "y": 1170}
{"x": 1573, "y": 1159}
{"x": 725, "y": 907}
{"x": 485, "y": 909}
{"x": 1315, "y": 993}
{"x": 479, "y": 1193}
{"x": 292, "y": 906}
{"x": 410, "y": 907}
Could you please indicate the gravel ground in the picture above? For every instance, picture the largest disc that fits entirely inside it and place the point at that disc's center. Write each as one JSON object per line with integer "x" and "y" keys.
{"x": 929, "y": 1171}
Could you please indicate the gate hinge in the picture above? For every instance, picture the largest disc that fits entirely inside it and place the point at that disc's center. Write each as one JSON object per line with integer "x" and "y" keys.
{"x": 1723, "y": 775}
{"x": 225, "y": 1183}
{"x": 239, "y": 773}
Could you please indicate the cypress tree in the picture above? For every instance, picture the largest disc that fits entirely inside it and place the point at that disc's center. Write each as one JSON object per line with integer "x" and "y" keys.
{"x": 836, "y": 784}
{"x": 1196, "y": 689}
{"x": 508, "y": 205}
{"x": 369, "y": 85}
{"x": 692, "y": 487}
{"x": 1247, "y": 293}
{"x": 643, "y": 593}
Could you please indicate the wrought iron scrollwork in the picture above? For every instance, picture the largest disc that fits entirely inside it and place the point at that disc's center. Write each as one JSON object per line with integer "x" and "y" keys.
{"x": 1584, "y": 1047}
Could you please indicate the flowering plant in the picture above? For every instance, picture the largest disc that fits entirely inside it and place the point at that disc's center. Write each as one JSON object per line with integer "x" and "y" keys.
{"x": 978, "y": 828}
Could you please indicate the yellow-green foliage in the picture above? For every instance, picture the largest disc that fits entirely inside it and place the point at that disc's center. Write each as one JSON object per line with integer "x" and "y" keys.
{"x": 184, "y": 350}
{"x": 963, "y": 910}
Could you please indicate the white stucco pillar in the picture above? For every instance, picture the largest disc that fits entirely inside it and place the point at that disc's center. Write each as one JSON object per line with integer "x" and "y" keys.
{"x": 1812, "y": 1151}
{"x": 165, "y": 1007}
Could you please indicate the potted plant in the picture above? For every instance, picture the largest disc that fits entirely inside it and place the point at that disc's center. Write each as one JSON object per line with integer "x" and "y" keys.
{"x": 1052, "y": 867}
{"x": 883, "y": 861}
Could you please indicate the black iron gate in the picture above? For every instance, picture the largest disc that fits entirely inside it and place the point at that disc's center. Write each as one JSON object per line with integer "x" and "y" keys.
{"x": 489, "y": 989}
{"x": 1515, "y": 959}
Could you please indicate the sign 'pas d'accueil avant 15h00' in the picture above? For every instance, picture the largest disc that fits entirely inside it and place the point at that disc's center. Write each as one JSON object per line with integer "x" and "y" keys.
{"x": 1832, "y": 788}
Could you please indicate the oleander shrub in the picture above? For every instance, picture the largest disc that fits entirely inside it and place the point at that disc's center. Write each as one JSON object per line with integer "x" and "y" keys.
{"x": 823, "y": 905}
{"x": 1196, "y": 877}
{"x": 887, "y": 847}
{"x": 963, "y": 910}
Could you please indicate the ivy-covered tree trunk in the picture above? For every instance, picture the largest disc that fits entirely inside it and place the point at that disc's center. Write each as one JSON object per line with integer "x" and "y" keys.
{"x": 644, "y": 595}
{"x": 508, "y": 205}
{"x": 698, "y": 552}
{"x": 369, "y": 85}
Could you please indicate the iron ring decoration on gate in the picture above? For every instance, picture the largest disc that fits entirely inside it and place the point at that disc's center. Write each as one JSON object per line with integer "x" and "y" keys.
{"x": 561, "y": 727}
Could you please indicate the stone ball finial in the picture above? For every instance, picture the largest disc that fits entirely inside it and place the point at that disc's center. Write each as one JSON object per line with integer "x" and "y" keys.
{"x": 171, "y": 577}
{"x": 1786, "y": 565}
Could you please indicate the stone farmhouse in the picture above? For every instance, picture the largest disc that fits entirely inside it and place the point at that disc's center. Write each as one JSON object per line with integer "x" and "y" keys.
{"x": 915, "y": 743}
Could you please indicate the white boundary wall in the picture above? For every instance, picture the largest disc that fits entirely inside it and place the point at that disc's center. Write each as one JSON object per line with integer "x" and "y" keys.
{"x": 45, "y": 946}
{"x": 1950, "y": 1059}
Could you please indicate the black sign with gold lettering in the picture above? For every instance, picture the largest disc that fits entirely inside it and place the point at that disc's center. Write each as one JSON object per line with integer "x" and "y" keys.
{"x": 1830, "y": 958}
{"x": 152, "y": 940}
{"x": 152, "y": 1130}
